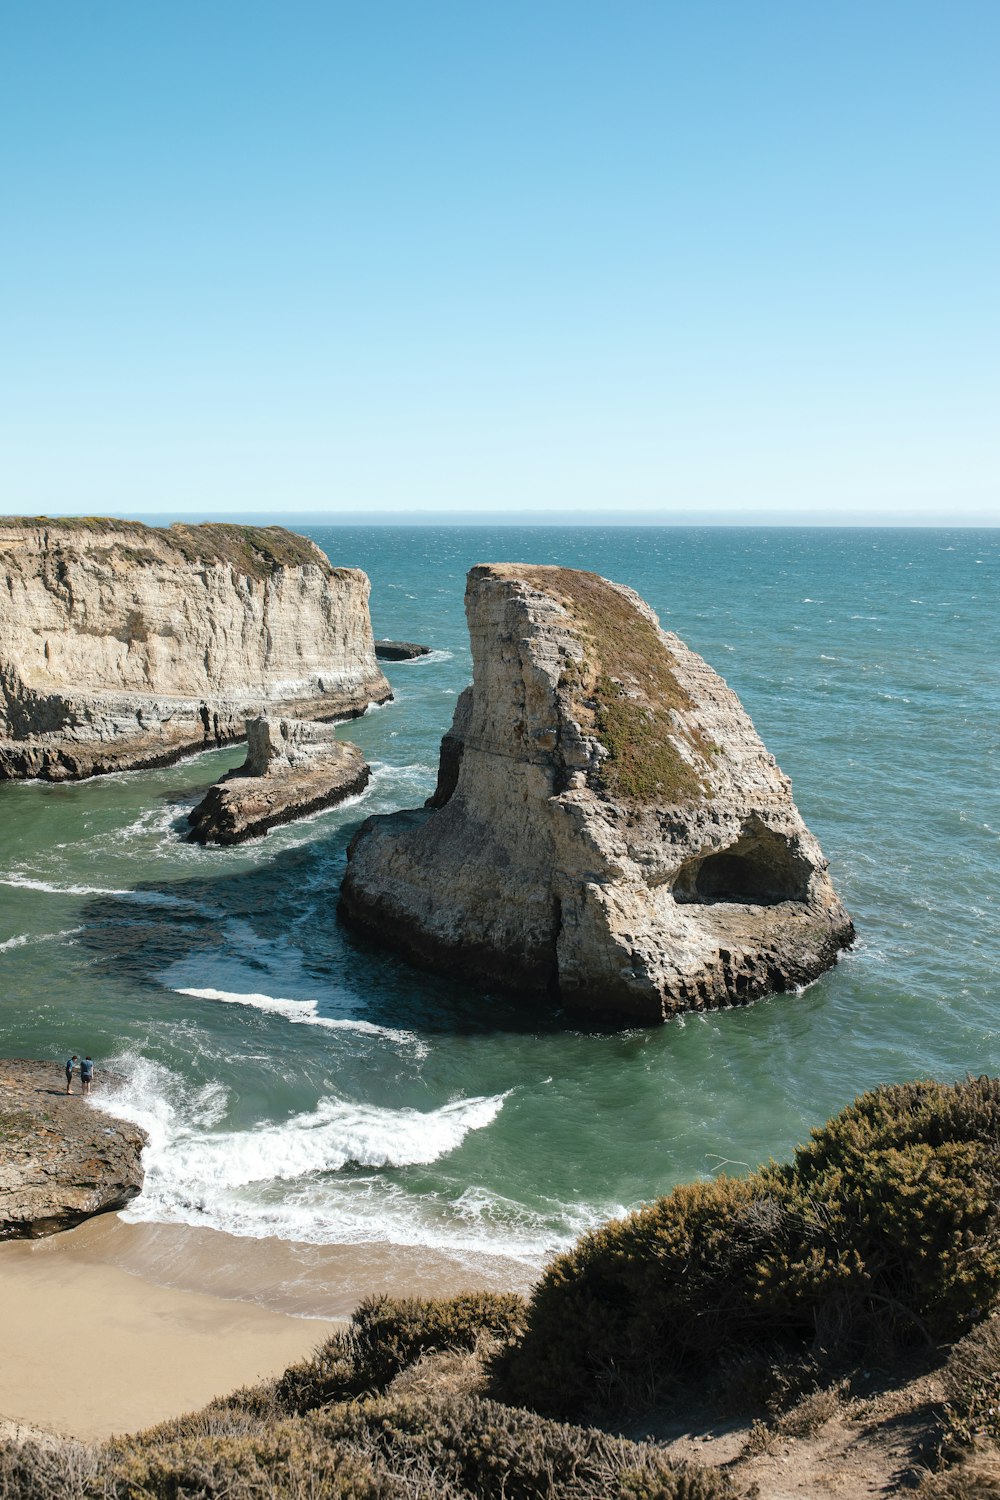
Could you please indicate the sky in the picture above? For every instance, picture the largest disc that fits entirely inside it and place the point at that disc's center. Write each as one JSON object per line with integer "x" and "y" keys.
{"x": 731, "y": 260}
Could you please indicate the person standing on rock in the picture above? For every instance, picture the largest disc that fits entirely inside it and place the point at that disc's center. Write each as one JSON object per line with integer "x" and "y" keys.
{"x": 86, "y": 1073}
{"x": 71, "y": 1063}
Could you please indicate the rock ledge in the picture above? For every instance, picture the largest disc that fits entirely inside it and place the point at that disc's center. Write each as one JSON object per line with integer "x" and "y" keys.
{"x": 387, "y": 650}
{"x": 292, "y": 769}
{"x": 61, "y": 1160}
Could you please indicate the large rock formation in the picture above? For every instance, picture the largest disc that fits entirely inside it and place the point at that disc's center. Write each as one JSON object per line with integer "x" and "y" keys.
{"x": 61, "y": 1161}
{"x": 123, "y": 645}
{"x": 292, "y": 768}
{"x": 607, "y": 828}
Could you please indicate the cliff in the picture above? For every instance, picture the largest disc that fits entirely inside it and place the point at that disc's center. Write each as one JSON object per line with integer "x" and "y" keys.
{"x": 61, "y": 1161}
{"x": 124, "y": 645}
{"x": 292, "y": 769}
{"x": 608, "y": 828}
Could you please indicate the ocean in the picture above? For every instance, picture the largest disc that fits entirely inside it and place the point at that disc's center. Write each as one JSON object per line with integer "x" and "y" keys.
{"x": 297, "y": 1082}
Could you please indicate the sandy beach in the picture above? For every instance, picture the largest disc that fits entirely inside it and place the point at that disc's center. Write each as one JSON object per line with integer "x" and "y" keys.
{"x": 112, "y": 1327}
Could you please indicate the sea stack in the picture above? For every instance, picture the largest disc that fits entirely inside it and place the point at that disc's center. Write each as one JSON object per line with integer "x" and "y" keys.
{"x": 292, "y": 768}
{"x": 124, "y": 645}
{"x": 608, "y": 829}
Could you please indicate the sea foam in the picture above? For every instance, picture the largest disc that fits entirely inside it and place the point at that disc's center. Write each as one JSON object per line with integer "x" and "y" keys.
{"x": 48, "y": 887}
{"x": 315, "y": 1177}
{"x": 304, "y": 1012}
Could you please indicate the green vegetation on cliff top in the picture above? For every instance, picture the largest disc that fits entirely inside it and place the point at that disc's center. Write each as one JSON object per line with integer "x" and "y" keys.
{"x": 256, "y": 551}
{"x": 625, "y": 691}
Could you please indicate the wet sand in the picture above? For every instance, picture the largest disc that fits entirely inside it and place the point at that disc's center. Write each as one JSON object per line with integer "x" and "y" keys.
{"x": 112, "y": 1327}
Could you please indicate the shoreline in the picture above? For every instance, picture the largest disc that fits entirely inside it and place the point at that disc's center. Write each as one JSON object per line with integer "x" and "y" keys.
{"x": 112, "y": 1327}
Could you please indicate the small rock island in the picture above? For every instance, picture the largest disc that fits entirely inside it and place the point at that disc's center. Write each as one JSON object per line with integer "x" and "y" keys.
{"x": 387, "y": 650}
{"x": 124, "y": 645}
{"x": 292, "y": 768}
{"x": 61, "y": 1161}
{"x": 608, "y": 829}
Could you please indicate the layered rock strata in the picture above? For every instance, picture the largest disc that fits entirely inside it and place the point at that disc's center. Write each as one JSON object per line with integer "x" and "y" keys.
{"x": 608, "y": 828}
{"x": 124, "y": 645}
{"x": 61, "y": 1160}
{"x": 292, "y": 768}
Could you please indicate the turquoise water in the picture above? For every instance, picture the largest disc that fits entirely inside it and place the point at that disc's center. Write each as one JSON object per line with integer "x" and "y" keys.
{"x": 298, "y": 1082}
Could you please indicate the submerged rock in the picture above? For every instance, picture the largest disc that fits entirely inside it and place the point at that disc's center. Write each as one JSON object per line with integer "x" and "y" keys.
{"x": 608, "y": 828}
{"x": 124, "y": 645}
{"x": 400, "y": 650}
{"x": 61, "y": 1160}
{"x": 292, "y": 768}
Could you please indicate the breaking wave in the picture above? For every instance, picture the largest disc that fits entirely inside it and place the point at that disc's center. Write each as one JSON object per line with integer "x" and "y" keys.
{"x": 143, "y": 898}
{"x": 316, "y": 1176}
{"x": 304, "y": 1012}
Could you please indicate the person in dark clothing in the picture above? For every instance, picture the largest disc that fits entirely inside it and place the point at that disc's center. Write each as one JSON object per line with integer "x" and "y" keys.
{"x": 71, "y": 1063}
{"x": 87, "y": 1073}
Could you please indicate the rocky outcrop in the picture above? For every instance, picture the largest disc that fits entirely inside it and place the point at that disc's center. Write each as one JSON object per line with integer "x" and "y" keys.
{"x": 608, "y": 828}
{"x": 61, "y": 1160}
{"x": 292, "y": 768}
{"x": 400, "y": 650}
{"x": 123, "y": 645}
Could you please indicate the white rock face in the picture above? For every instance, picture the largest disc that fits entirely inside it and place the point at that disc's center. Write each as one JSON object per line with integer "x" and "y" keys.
{"x": 293, "y": 768}
{"x": 123, "y": 645}
{"x": 608, "y": 827}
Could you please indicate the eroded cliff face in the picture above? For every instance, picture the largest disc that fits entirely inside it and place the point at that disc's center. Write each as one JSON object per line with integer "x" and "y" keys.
{"x": 608, "y": 828}
{"x": 124, "y": 645}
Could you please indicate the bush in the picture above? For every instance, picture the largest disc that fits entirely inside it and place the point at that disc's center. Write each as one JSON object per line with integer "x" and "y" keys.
{"x": 287, "y": 1463}
{"x": 51, "y": 1470}
{"x": 972, "y": 1387}
{"x": 479, "y": 1448}
{"x": 882, "y": 1231}
{"x": 386, "y": 1334}
{"x": 972, "y": 1480}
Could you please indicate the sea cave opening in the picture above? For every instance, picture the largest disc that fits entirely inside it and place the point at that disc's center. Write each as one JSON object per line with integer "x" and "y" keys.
{"x": 760, "y": 869}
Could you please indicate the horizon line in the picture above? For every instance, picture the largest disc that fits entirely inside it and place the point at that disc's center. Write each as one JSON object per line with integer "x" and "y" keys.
{"x": 523, "y": 518}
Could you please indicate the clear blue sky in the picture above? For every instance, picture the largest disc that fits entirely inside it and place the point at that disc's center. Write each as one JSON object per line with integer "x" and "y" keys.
{"x": 724, "y": 258}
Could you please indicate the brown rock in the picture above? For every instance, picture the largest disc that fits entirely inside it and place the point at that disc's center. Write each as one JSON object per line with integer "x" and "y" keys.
{"x": 400, "y": 650}
{"x": 61, "y": 1160}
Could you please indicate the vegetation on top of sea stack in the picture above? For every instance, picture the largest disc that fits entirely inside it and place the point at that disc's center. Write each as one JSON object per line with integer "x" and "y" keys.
{"x": 883, "y": 1231}
{"x": 257, "y": 551}
{"x": 625, "y": 691}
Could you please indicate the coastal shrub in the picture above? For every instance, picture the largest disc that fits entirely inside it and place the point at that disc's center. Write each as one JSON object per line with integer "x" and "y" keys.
{"x": 493, "y": 1452}
{"x": 972, "y": 1388}
{"x": 288, "y": 1462}
{"x": 459, "y": 1447}
{"x": 386, "y": 1334}
{"x": 882, "y": 1231}
{"x": 244, "y": 1413}
{"x": 973, "y": 1479}
{"x": 49, "y": 1470}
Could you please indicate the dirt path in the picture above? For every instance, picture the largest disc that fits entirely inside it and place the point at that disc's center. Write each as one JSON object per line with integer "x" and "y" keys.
{"x": 850, "y": 1449}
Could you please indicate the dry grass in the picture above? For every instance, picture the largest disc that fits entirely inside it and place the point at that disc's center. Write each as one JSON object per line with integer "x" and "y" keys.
{"x": 626, "y": 692}
{"x": 256, "y": 551}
